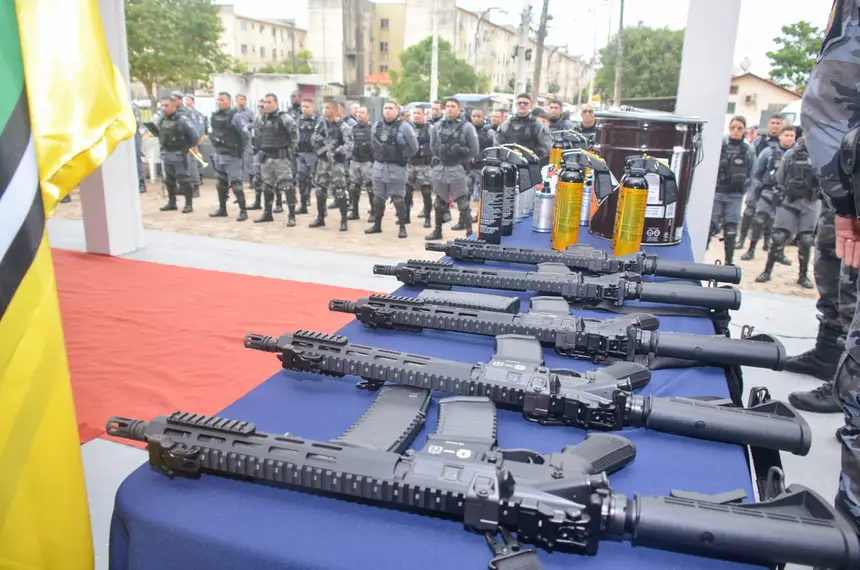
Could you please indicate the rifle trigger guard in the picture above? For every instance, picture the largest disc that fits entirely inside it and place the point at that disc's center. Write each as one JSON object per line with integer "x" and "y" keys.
{"x": 747, "y": 331}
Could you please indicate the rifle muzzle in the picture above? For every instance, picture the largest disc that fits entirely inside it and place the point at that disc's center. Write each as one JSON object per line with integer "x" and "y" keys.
{"x": 436, "y": 247}
{"x": 127, "y": 428}
{"x": 385, "y": 270}
{"x": 261, "y": 342}
{"x": 341, "y": 306}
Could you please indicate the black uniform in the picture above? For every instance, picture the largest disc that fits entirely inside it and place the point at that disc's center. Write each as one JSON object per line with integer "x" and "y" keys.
{"x": 176, "y": 136}
{"x": 229, "y": 138}
{"x": 360, "y": 168}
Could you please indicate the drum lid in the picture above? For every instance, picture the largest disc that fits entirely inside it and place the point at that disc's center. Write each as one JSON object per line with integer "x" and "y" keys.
{"x": 646, "y": 115}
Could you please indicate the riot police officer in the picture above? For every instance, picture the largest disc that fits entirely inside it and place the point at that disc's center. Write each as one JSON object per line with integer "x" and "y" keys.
{"x": 295, "y": 109}
{"x": 229, "y": 138}
{"x": 486, "y": 139}
{"x": 393, "y": 143}
{"x": 798, "y": 212}
{"x": 418, "y": 169}
{"x": 453, "y": 142}
{"x": 526, "y": 130}
{"x": 765, "y": 186}
{"x": 247, "y": 117}
{"x": 436, "y": 112}
{"x": 256, "y": 178}
{"x": 361, "y": 165}
{"x": 201, "y": 123}
{"x": 306, "y": 160}
{"x": 737, "y": 159}
{"x": 332, "y": 142}
{"x": 557, "y": 121}
{"x": 278, "y": 139}
{"x": 759, "y": 143}
{"x": 176, "y": 136}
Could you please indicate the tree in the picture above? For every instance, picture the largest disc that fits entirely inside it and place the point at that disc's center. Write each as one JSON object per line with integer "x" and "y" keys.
{"x": 651, "y": 66}
{"x": 512, "y": 85}
{"x": 412, "y": 82}
{"x": 792, "y": 63}
{"x": 174, "y": 42}
{"x": 303, "y": 65}
{"x": 553, "y": 88}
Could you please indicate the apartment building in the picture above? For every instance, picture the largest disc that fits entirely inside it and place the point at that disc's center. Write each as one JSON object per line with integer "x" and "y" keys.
{"x": 389, "y": 31}
{"x": 340, "y": 43}
{"x": 259, "y": 43}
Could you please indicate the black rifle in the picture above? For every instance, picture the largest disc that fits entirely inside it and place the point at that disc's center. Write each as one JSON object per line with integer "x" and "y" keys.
{"x": 633, "y": 337}
{"x": 517, "y": 377}
{"x": 588, "y": 260}
{"x": 557, "y": 501}
{"x": 607, "y": 292}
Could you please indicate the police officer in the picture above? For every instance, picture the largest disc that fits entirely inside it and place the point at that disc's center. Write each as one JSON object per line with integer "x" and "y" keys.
{"x": 760, "y": 142}
{"x": 828, "y": 115}
{"x": 436, "y": 112}
{"x": 737, "y": 159}
{"x": 797, "y": 213}
{"x": 346, "y": 118}
{"x": 418, "y": 169}
{"x": 393, "y": 143}
{"x": 176, "y": 136}
{"x": 306, "y": 159}
{"x": 229, "y": 138}
{"x": 496, "y": 120}
{"x": 361, "y": 165}
{"x": 453, "y": 142}
{"x": 295, "y": 110}
{"x": 279, "y": 136}
{"x": 332, "y": 142}
{"x": 342, "y": 115}
{"x": 486, "y": 139}
{"x": 526, "y": 130}
{"x": 257, "y": 182}
{"x": 588, "y": 127}
{"x": 138, "y": 150}
{"x": 764, "y": 184}
{"x": 201, "y": 123}
{"x": 247, "y": 117}
{"x": 557, "y": 122}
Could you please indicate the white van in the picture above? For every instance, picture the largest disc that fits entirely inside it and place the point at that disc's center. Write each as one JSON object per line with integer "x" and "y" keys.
{"x": 791, "y": 112}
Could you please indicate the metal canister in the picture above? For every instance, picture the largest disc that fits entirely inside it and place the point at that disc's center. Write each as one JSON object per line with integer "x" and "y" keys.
{"x": 585, "y": 211}
{"x": 630, "y": 214}
{"x": 565, "y": 230}
{"x": 510, "y": 203}
{"x": 544, "y": 210}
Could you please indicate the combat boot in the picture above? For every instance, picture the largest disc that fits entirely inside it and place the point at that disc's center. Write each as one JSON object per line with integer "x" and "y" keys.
{"x": 402, "y": 209}
{"x": 819, "y": 400}
{"x": 256, "y": 205}
{"x": 319, "y": 222}
{"x": 304, "y": 200}
{"x": 195, "y": 191}
{"x": 188, "y": 208}
{"x": 376, "y": 214}
{"x": 221, "y": 212}
{"x": 279, "y": 202}
{"x": 343, "y": 206}
{"x": 171, "y": 204}
{"x": 764, "y": 276}
{"x": 823, "y": 360}
{"x": 141, "y": 187}
{"x": 440, "y": 219}
{"x": 291, "y": 216}
{"x": 240, "y": 200}
{"x": 803, "y": 254}
{"x": 353, "y": 205}
{"x": 267, "y": 211}
{"x": 750, "y": 254}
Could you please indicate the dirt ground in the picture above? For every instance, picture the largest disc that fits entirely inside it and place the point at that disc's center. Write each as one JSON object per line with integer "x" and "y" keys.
{"x": 386, "y": 244}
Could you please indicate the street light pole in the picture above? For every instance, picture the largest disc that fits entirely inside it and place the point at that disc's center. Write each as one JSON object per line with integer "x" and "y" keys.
{"x": 434, "y": 57}
{"x": 619, "y": 59}
{"x": 539, "y": 52}
{"x": 522, "y": 45}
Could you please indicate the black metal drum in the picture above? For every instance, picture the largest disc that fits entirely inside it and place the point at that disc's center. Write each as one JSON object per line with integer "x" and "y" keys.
{"x": 673, "y": 138}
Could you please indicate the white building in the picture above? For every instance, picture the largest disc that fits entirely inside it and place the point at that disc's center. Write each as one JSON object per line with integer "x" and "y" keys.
{"x": 259, "y": 43}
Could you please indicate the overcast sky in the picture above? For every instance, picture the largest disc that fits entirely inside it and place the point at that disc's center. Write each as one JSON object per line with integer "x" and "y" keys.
{"x": 760, "y": 21}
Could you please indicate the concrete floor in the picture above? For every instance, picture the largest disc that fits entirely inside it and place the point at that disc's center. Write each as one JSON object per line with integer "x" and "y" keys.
{"x": 107, "y": 464}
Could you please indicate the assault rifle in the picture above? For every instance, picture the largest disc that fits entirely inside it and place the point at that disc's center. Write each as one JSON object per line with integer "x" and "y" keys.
{"x": 609, "y": 292}
{"x": 588, "y": 260}
{"x": 633, "y": 337}
{"x": 517, "y": 377}
{"x": 557, "y": 501}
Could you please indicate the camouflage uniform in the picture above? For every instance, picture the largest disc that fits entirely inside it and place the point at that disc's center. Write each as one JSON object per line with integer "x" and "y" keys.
{"x": 306, "y": 159}
{"x": 830, "y": 109}
{"x": 767, "y": 194}
{"x": 332, "y": 143}
{"x": 418, "y": 170}
{"x": 278, "y": 137}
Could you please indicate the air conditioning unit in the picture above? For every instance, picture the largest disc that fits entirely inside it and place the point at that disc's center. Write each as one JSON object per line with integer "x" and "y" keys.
{"x": 750, "y": 99}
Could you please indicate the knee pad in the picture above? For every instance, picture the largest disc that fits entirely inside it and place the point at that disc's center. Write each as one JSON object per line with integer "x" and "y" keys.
{"x": 462, "y": 203}
{"x": 397, "y": 201}
{"x": 761, "y": 219}
{"x": 439, "y": 203}
{"x": 730, "y": 230}
{"x": 339, "y": 194}
{"x": 779, "y": 238}
{"x": 806, "y": 239}
{"x": 222, "y": 185}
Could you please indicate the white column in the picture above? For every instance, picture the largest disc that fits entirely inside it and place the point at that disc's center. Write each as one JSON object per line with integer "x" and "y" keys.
{"x": 109, "y": 196}
{"x": 703, "y": 90}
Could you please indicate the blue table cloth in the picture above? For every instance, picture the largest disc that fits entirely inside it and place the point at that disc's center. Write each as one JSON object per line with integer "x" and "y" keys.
{"x": 215, "y": 523}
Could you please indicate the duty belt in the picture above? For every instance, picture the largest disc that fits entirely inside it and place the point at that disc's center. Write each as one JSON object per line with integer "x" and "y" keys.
{"x": 276, "y": 152}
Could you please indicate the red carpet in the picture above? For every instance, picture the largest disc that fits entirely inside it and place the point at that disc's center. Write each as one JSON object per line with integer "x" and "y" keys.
{"x": 145, "y": 339}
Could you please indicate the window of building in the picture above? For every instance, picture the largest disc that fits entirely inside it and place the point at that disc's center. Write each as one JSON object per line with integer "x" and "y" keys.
{"x": 243, "y": 26}
{"x": 731, "y": 109}
{"x": 282, "y": 34}
{"x": 383, "y": 68}
{"x": 274, "y": 33}
{"x": 262, "y": 51}
{"x": 262, "y": 29}
{"x": 274, "y": 55}
{"x": 733, "y": 90}
{"x": 253, "y": 25}
{"x": 383, "y": 24}
{"x": 244, "y": 49}
{"x": 383, "y": 47}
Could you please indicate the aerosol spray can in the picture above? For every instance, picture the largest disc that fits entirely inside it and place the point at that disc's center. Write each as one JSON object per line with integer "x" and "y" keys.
{"x": 587, "y": 187}
{"x": 568, "y": 203}
{"x": 509, "y": 205}
{"x": 630, "y": 215}
{"x": 542, "y": 219}
{"x": 558, "y": 147}
{"x": 492, "y": 200}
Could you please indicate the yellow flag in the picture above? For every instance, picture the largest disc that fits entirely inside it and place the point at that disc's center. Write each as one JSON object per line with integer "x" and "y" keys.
{"x": 63, "y": 109}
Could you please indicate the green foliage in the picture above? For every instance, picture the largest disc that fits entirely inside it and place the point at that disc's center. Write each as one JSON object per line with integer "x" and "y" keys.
{"x": 412, "y": 82}
{"x": 174, "y": 42}
{"x": 237, "y": 66}
{"x": 792, "y": 63}
{"x": 651, "y": 66}
{"x": 553, "y": 88}
{"x": 303, "y": 65}
{"x": 512, "y": 85}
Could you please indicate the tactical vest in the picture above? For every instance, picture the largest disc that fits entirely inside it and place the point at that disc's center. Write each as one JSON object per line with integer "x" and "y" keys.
{"x": 768, "y": 179}
{"x": 560, "y": 124}
{"x": 484, "y": 140}
{"x": 224, "y": 137}
{"x": 523, "y": 131}
{"x": 423, "y": 154}
{"x": 331, "y": 133}
{"x": 451, "y": 146}
{"x": 306, "y": 131}
{"x": 273, "y": 134}
{"x": 799, "y": 175}
{"x": 171, "y": 137}
{"x": 385, "y": 147}
{"x": 762, "y": 142}
{"x": 363, "y": 149}
{"x": 734, "y": 168}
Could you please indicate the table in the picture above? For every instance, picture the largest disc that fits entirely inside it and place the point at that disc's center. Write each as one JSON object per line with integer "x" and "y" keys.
{"x": 215, "y": 523}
